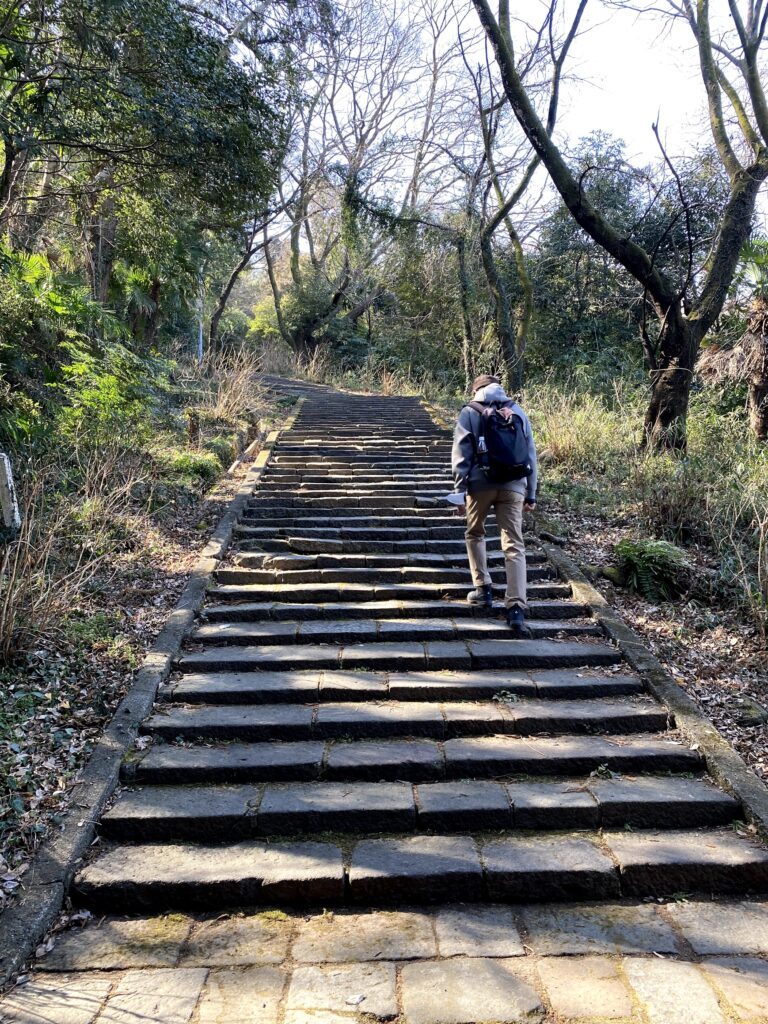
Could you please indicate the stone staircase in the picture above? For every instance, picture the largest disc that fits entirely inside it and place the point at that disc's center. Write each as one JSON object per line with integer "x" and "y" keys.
{"x": 344, "y": 728}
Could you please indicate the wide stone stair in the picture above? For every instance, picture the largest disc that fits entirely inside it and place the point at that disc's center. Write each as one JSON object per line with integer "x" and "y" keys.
{"x": 343, "y": 727}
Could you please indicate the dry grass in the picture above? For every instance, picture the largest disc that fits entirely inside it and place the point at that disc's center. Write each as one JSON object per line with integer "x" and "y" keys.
{"x": 66, "y": 537}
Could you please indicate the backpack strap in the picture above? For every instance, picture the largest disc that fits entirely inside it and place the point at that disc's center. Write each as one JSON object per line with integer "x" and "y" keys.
{"x": 479, "y": 457}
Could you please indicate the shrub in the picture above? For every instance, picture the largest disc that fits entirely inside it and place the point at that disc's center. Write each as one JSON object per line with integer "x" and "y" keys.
{"x": 202, "y": 465}
{"x": 654, "y": 568}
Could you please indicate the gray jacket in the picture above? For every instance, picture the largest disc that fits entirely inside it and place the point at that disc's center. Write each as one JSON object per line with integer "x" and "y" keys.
{"x": 467, "y": 474}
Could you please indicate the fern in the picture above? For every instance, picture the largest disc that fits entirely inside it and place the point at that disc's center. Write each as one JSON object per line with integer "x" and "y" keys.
{"x": 654, "y": 568}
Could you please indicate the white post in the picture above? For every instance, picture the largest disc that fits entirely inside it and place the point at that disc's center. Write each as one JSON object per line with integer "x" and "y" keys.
{"x": 10, "y": 506}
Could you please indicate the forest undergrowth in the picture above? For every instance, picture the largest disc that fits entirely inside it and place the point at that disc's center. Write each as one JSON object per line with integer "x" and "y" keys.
{"x": 114, "y": 514}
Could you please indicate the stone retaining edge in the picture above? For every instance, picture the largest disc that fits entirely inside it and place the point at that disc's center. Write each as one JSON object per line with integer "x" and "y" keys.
{"x": 725, "y": 765}
{"x": 24, "y": 924}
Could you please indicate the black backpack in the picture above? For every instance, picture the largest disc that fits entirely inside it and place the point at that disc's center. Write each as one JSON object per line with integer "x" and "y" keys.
{"x": 501, "y": 449}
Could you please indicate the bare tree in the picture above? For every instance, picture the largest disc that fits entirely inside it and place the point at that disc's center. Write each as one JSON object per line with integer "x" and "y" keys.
{"x": 738, "y": 116}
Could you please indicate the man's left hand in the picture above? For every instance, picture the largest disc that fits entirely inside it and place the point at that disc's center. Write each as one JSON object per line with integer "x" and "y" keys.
{"x": 529, "y": 506}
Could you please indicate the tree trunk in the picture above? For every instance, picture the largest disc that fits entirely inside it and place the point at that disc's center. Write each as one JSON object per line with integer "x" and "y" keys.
{"x": 678, "y": 347}
{"x": 758, "y": 409}
{"x": 503, "y": 316}
{"x": 467, "y": 339}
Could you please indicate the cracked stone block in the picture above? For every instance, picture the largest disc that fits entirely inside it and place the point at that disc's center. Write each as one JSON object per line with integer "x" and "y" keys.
{"x": 118, "y": 945}
{"x": 483, "y": 931}
{"x": 253, "y": 939}
{"x": 572, "y": 930}
{"x": 739, "y": 928}
{"x": 463, "y": 805}
{"x": 250, "y": 996}
{"x": 425, "y": 868}
{"x": 659, "y": 863}
{"x": 154, "y": 997}
{"x": 671, "y": 992}
{"x": 337, "y": 988}
{"x": 744, "y": 983}
{"x": 586, "y": 987}
{"x": 379, "y": 935}
{"x": 557, "y": 867}
{"x": 547, "y": 805}
{"x": 73, "y": 999}
{"x": 468, "y": 990}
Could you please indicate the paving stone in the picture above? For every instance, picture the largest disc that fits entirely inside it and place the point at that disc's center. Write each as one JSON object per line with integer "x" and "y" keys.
{"x": 472, "y": 718}
{"x": 571, "y": 755}
{"x": 383, "y": 655}
{"x": 447, "y": 655}
{"x": 744, "y": 983}
{"x": 548, "y": 868}
{"x": 237, "y": 687}
{"x": 468, "y": 990}
{"x": 463, "y": 805}
{"x": 574, "y": 683}
{"x": 457, "y": 685}
{"x": 154, "y": 997}
{"x": 250, "y": 996}
{"x": 483, "y": 931}
{"x": 337, "y": 988}
{"x": 135, "y": 877}
{"x": 539, "y": 654}
{"x": 671, "y": 992}
{"x": 573, "y": 930}
{"x": 343, "y": 806}
{"x": 662, "y": 803}
{"x": 71, "y": 999}
{"x": 378, "y": 935}
{"x": 341, "y": 685}
{"x": 659, "y": 863}
{"x": 239, "y": 940}
{"x": 587, "y": 987}
{"x": 229, "y": 762}
{"x": 415, "y": 760}
{"x": 382, "y": 720}
{"x": 723, "y": 927}
{"x": 178, "y": 812}
{"x": 242, "y": 721}
{"x": 548, "y": 805}
{"x": 112, "y": 944}
{"x": 424, "y": 869}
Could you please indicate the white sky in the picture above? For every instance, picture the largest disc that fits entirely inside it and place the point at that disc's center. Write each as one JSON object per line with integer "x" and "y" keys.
{"x": 617, "y": 93}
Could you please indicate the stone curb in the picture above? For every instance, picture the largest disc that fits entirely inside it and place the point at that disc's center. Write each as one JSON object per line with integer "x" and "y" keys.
{"x": 723, "y": 763}
{"x": 24, "y": 924}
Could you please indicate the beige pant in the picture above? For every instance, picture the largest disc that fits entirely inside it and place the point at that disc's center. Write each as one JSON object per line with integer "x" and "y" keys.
{"x": 509, "y": 515}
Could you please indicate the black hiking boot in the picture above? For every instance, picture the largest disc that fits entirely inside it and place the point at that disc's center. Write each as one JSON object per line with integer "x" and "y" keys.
{"x": 482, "y": 595}
{"x": 516, "y": 622}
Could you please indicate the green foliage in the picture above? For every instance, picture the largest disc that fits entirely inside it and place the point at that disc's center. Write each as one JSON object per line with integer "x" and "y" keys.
{"x": 202, "y": 466}
{"x": 654, "y": 568}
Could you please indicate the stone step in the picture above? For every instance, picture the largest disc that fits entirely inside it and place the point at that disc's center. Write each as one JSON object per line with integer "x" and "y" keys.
{"x": 264, "y": 722}
{"x": 311, "y": 685}
{"x": 276, "y": 515}
{"x": 320, "y": 593}
{"x": 412, "y": 655}
{"x": 293, "y": 542}
{"x": 363, "y": 560}
{"x": 390, "y": 630}
{"x": 451, "y": 530}
{"x": 226, "y": 813}
{"x": 412, "y": 760}
{"x": 424, "y": 869}
{"x": 264, "y": 611}
{"x": 406, "y": 574}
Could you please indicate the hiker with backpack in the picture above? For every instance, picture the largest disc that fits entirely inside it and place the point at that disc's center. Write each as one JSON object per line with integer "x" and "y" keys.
{"x": 494, "y": 466}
